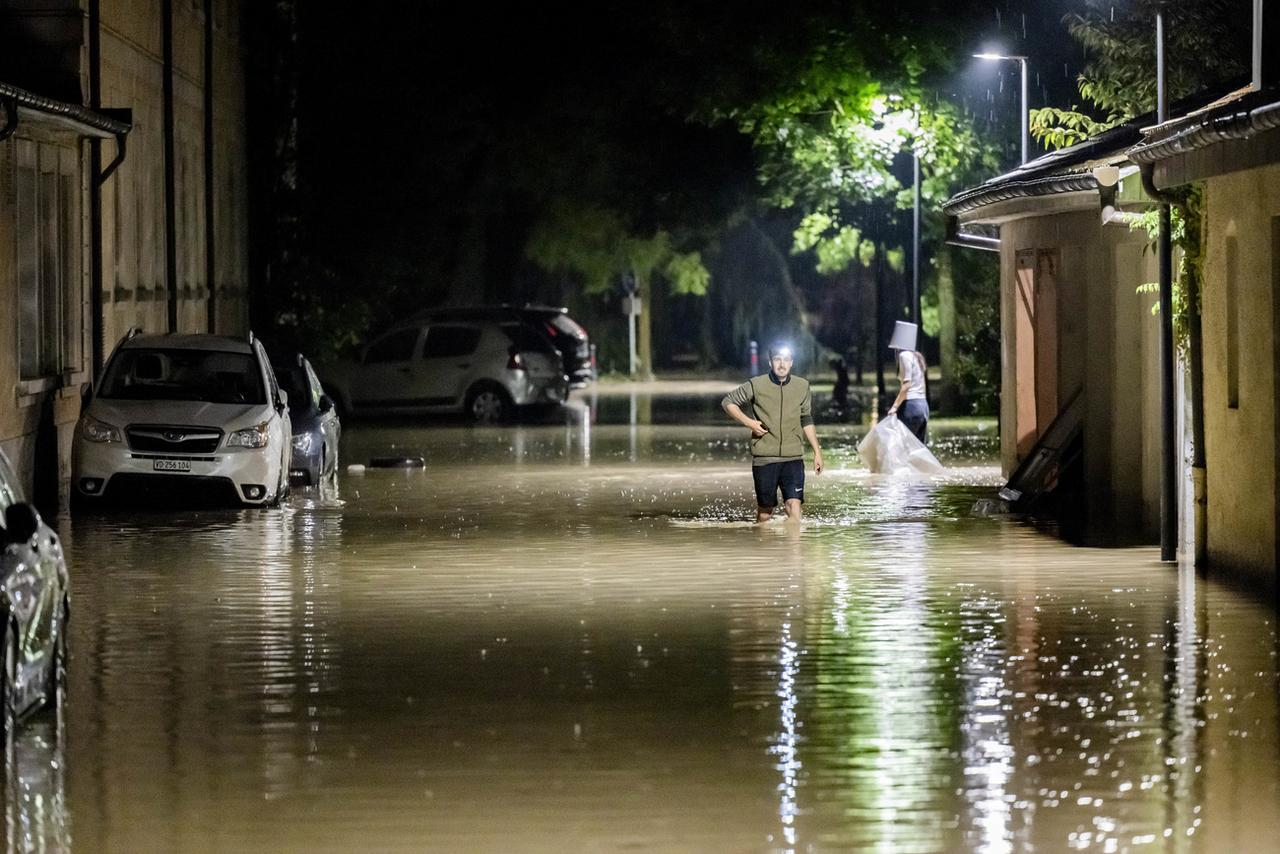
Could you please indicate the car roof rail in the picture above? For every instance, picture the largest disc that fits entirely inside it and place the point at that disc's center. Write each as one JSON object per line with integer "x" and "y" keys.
{"x": 298, "y": 356}
{"x": 134, "y": 332}
{"x": 250, "y": 337}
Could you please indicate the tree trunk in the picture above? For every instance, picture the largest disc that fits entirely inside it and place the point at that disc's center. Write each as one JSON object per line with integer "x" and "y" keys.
{"x": 949, "y": 389}
{"x": 644, "y": 328}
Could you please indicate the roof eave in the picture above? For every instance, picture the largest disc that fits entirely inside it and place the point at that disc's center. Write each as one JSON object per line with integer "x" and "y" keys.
{"x": 63, "y": 115}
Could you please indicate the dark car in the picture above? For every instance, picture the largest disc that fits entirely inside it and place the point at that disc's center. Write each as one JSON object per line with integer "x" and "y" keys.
{"x": 570, "y": 339}
{"x": 564, "y": 333}
{"x": 316, "y": 428}
{"x": 35, "y": 603}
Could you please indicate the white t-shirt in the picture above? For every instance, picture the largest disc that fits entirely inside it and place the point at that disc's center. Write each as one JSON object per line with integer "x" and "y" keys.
{"x": 909, "y": 369}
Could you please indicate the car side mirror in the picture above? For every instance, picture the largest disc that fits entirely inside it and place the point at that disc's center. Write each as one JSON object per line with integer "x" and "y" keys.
{"x": 326, "y": 403}
{"x": 21, "y": 521}
{"x": 282, "y": 399}
{"x": 86, "y": 394}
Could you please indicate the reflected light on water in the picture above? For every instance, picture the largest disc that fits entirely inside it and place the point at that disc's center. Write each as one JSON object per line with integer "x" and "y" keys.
{"x": 536, "y": 646}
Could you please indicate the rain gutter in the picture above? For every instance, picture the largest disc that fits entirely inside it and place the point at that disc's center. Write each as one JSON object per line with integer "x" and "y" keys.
{"x": 1239, "y": 124}
{"x": 19, "y": 104}
{"x": 956, "y": 237}
{"x": 1048, "y": 185}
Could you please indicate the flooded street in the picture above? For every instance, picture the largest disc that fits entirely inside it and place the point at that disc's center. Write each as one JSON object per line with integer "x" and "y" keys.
{"x": 567, "y": 637}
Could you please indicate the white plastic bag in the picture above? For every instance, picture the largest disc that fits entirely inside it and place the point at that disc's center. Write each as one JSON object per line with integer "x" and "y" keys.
{"x": 890, "y": 448}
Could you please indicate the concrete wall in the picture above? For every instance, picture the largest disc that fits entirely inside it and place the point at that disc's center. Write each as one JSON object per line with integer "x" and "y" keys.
{"x": 1239, "y": 312}
{"x": 1107, "y": 344}
{"x": 133, "y": 202}
{"x": 51, "y": 38}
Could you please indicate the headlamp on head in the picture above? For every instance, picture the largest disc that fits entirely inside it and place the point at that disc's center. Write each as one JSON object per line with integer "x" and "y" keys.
{"x": 780, "y": 350}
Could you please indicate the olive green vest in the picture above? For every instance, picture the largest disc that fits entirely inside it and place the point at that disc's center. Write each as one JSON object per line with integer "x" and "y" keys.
{"x": 778, "y": 407}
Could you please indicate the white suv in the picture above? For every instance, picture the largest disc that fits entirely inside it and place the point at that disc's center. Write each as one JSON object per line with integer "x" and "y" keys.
{"x": 466, "y": 362}
{"x": 193, "y": 415}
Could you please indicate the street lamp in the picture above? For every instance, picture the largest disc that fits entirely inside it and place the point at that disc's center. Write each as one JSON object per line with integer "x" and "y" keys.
{"x": 1022, "y": 63}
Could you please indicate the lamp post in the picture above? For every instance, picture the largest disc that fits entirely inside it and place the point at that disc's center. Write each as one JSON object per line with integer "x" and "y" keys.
{"x": 1022, "y": 63}
{"x": 915, "y": 234}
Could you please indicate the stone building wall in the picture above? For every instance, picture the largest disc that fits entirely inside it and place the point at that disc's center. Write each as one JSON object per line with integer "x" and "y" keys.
{"x": 1241, "y": 339}
{"x": 1105, "y": 341}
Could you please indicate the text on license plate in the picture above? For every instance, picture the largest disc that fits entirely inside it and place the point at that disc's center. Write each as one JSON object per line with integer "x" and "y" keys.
{"x": 171, "y": 465}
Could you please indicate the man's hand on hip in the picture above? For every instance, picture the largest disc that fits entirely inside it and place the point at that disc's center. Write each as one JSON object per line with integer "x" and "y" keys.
{"x": 757, "y": 428}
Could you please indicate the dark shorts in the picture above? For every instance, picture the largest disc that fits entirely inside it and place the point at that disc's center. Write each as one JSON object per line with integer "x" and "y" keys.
{"x": 770, "y": 476}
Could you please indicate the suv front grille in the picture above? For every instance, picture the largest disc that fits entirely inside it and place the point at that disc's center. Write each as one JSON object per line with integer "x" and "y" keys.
{"x": 161, "y": 439}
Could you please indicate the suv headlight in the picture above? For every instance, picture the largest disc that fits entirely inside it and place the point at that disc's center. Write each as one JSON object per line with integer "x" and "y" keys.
{"x": 94, "y": 430}
{"x": 250, "y": 437}
{"x": 302, "y": 443}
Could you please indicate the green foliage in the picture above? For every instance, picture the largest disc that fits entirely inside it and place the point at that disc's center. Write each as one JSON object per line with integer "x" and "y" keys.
{"x": 597, "y": 245}
{"x": 838, "y": 166}
{"x": 1206, "y": 45}
{"x": 977, "y": 288}
{"x": 930, "y": 316}
{"x": 1185, "y": 222}
{"x": 1057, "y": 128}
{"x": 687, "y": 274}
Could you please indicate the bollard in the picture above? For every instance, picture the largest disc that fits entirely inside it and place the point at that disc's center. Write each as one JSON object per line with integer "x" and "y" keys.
{"x": 754, "y": 350}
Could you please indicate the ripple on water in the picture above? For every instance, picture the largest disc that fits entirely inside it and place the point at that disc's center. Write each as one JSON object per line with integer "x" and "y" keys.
{"x": 538, "y": 644}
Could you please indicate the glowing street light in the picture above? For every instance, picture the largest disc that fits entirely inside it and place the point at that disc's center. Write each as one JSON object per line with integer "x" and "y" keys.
{"x": 1022, "y": 62}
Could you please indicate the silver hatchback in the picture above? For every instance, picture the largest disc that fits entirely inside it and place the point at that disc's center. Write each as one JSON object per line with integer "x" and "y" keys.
{"x": 482, "y": 367}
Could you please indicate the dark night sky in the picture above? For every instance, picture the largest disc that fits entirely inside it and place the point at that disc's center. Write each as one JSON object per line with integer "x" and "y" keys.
{"x": 413, "y": 99}
{"x": 413, "y": 116}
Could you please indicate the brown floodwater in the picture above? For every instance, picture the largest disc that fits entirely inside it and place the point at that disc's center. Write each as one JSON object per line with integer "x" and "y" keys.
{"x": 566, "y": 636}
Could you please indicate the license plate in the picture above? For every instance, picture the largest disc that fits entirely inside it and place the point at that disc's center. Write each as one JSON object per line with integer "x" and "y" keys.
{"x": 171, "y": 465}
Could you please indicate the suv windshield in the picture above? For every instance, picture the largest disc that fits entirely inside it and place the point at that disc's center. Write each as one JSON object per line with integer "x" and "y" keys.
{"x": 181, "y": 374}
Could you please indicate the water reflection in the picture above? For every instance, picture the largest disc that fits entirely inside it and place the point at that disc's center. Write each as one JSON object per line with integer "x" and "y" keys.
{"x": 36, "y": 815}
{"x": 537, "y": 643}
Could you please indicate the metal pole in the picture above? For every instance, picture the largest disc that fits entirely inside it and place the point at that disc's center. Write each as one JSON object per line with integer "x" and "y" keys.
{"x": 1026, "y": 135}
{"x": 1168, "y": 449}
{"x": 631, "y": 336}
{"x": 915, "y": 238}
{"x": 1257, "y": 44}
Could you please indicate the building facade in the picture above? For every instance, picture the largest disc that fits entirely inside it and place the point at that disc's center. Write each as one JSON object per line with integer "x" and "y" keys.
{"x": 1231, "y": 151}
{"x": 123, "y": 199}
{"x": 1078, "y": 332}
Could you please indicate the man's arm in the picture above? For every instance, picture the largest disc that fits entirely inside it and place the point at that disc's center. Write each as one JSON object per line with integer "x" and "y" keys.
{"x": 810, "y": 431}
{"x": 733, "y": 403}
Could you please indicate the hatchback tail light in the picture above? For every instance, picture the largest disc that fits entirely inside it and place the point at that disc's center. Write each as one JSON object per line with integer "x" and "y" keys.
{"x": 515, "y": 362}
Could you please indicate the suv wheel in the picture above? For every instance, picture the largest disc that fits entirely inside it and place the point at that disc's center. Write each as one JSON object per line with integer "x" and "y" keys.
{"x": 489, "y": 404}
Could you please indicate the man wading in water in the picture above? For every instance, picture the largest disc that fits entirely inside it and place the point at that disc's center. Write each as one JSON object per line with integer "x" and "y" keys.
{"x": 782, "y": 412}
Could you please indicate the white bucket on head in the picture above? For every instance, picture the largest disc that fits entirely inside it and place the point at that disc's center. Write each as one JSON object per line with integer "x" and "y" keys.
{"x": 904, "y": 336}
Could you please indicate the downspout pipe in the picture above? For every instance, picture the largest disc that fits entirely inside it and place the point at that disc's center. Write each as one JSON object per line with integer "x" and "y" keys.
{"x": 96, "y": 302}
{"x": 10, "y": 118}
{"x": 170, "y": 169}
{"x": 1168, "y": 445}
{"x": 211, "y": 288}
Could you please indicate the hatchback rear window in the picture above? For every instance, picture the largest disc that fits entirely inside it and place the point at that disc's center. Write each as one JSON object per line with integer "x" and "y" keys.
{"x": 211, "y": 376}
{"x": 526, "y": 337}
{"x": 564, "y": 323}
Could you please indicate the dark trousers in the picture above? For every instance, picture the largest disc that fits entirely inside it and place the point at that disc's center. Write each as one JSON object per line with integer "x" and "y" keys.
{"x": 915, "y": 414}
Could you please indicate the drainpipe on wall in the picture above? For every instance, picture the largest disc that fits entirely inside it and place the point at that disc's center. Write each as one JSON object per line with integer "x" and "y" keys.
{"x": 95, "y": 193}
{"x": 209, "y": 235}
{"x": 1168, "y": 445}
{"x": 170, "y": 171}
